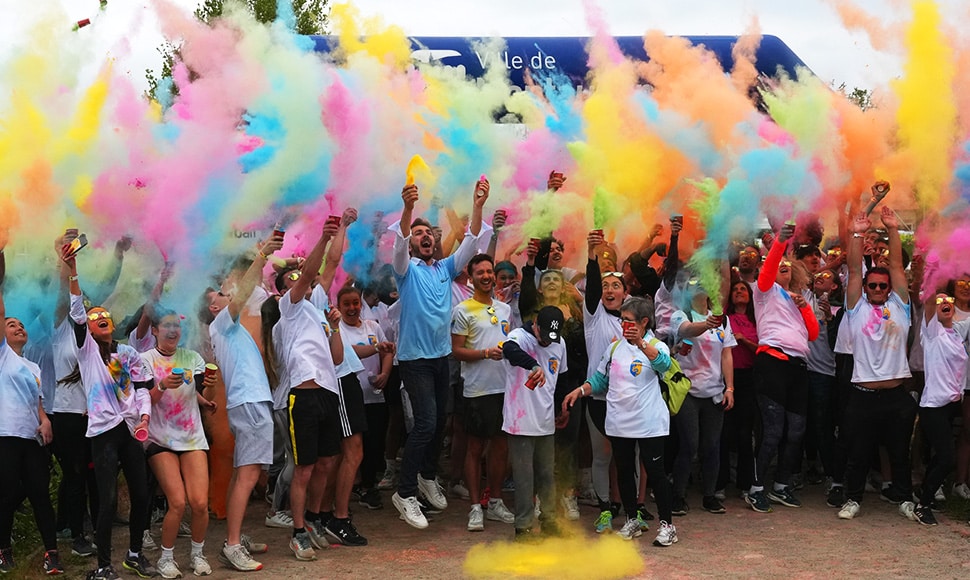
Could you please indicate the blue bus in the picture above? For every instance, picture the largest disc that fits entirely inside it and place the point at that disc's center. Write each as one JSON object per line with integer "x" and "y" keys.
{"x": 567, "y": 54}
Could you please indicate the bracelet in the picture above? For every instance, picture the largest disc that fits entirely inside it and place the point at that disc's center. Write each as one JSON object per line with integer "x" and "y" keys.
{"x": 334, "y": 331}
{"x": 730, "y": 389}
{"x": 857, "y": 235}
{"x": 72, "y": 278}
{"x": 261, "y": 254}
{"x": 484, "y": 354}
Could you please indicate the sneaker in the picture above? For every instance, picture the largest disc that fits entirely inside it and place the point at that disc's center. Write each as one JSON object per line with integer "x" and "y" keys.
{"x": 758, "y": 502}
{"x": 631, "y": 529}
{"x": 785, "y": 497}
{"x": 302, "y": 548}
{"x": 720, "y": 495}
{"x": 849, "y": 510}
{"x": 907, "y": 509}
{"x": 679, "y": 507}
{"x": 508, "y": 485}
{"x": 315, "y": 530}
{"x": 713, "y": 505}
{"x": 200, "y": 566}
{"x": 147, "y": 543}
{"x": 644, "y": 516}
{"x": 52, "y": 563}
{"x": 83, "y": 547}
{"x": 167, "y": 568}
{"x": 184, "y": 530}
{"x": 666, "y": 536}
{"x": 924, "y": 515}
{"x": 6, "y": 560}
{"x": 371, "y": 499}
{"x": 389, "y": 481}
{"x": 431, "y": 490}
{"x": 355, "y": 492}
{"x": 427, "y": 509}
{"x": 588, "y": 497}
{"x": 892, "y": 495}
{"x": 604, "y": 523}
{"x": 279, "y": 520}
{"x": 476, "y": 519}
{"x": 526, "y": 536}
{"x": 64, "y": 535}
{"x": 251, "y": 546}
{"x": 497, "y": 512}
{"x": 344, "y": 532}
{"x": 797, "y": 481}
{"x": 410, "y": 511}
{"x": 139, "y": 565}
{"x": 570, "y": 507}
{"x": 962, "y": 490}
{"x": 238, "y": 558}
{"x": 105, "y": 573}
{"x": 835, "y": 497}
{"x": 158, "y": 514}
{"x": 939, "y": 495}
{"x": 459, "y": 490}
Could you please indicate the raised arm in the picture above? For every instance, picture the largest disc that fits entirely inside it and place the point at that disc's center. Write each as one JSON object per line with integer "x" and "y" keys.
{"x": 672, "y": 262}
{"x": 148, "y": 311}
{"x": 311, "y": 267}
{"x": 106, "y": 287}
{"x": 336, "y": 250}
{"x": 769, "y": 271}
{"x": 897, "y": 273}
{"x": 249, "y": 280}
{"x": 853, "y": 288}
{"x": 594, "y": 278}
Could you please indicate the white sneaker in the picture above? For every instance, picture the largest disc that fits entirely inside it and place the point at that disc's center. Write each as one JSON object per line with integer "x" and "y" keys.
{"x": 497, "y": 512}
{"x": 906, "y": 510}
{"x": 631, "y": 529}
{"x": 410, "y": 510}
{"x": 389, "y": 481}
{"x": 940, "y": 496}
{"x": 167, "y": 568}
{"x": 570, "y": 507}
{"x": 460, "y": 491}
{"x": 300, "y": 544}
{"x": 431, "y": 491}
{"x": 147, "y": 543}
{"x": 666, "y": 536}
{"x": 279, "y": 520}
{"x": 317, "y": 537}
{"x": 720, "y": 495}
{"x": 962, "y": 490}
{"x": 476, "y": 519}
{"x": 200, "y": 566}
{"x": 252, "y": 546}
{"x": 238, "y": 558}
{"x": 850, "y": 509}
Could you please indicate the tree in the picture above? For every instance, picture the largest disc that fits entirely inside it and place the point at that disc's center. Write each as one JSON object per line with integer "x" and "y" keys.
{"x": 861, "y": 97}
{"x": 311, "y": 18}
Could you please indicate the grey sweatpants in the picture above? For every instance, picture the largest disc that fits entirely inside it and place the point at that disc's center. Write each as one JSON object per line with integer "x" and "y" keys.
{"x": 533, "y": 465}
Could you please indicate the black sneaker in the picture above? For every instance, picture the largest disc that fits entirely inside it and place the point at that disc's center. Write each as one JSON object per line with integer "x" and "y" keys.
{"x": 835, "y": 498}
{"x": 758, "y": 502}
{"x": 6, "y": 560}
{"x": 83, "y": 547}
{"x": 924, "y": 515}
{"x": 428, "y": 509}
{"x": 356, "y": 492}
{"x": 105, "y": 573}
{"x": 371, "y": 499}
{"x": 139, "y": 565}
{"x": 679, "y": 507}
{"x": 785, "y": 497}
{"x": 892, "y": 495}
{"x": 344, "y": 532}
{"x": 713, "y": 505}
{"x": 643, "y": 514}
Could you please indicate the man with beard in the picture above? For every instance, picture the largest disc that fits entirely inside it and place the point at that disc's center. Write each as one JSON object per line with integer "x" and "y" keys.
{"x": 879, "y": 408}
{"x": 424, "y": 284}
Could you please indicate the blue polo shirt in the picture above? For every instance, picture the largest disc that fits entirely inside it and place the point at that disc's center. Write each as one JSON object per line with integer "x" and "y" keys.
{"x": 425, "y": 296}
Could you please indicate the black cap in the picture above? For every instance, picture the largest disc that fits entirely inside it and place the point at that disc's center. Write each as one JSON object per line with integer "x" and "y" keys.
{"x": 550, "y": 321}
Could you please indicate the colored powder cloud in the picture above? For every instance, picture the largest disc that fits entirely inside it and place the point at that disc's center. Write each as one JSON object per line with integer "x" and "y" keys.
{"x": 581, "y": 558}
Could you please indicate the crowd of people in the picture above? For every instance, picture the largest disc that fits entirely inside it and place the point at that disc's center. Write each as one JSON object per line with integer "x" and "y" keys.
{"x": 550, "y": 382}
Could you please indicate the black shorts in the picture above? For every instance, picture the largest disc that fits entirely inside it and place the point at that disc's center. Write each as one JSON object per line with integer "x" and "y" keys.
{"x": 597, "y": 412}
{"x": 392, "y": 391}
{"x": 154, "y": 449}
{"x": 353, "y": 417}
{"x": 483, "y": 415}
{"x": 314, "y": 424}
{"x": 456, "y": 398}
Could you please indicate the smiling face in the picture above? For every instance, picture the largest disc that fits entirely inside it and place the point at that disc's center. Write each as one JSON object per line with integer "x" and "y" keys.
{"x": 749, "y": 259}
{"x": 503, "y": 278}
{"x": 613, "y": 292}
{"x": 784, "y": 274}
{"x": 961, "y": 289}
{"x": 944, "y": 308}
{"x": 824, "y": 282}
{"x": 100, "y": 324}
{"x": 349, "y": 306}
{"x": 740, "y": 295}
{"x": 168, "y": 332}
{"x": 16, "y": 333}
{"x": 483, "y": 277}
{"x": 422, "y": 242}
{"x": 556, "y": 255}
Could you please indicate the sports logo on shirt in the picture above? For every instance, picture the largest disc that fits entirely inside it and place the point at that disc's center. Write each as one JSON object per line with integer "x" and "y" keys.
{"x": 720, "y": 335}
{"x": 884, "y": 312}
{"x": 553, "y": 365}
{"x": 372, "y": 339}
{"x": 506, "y": 327}
{"x": 636, "y": 367}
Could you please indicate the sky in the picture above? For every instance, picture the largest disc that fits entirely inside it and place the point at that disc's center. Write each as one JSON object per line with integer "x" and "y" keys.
{"x": 127, "y": 30}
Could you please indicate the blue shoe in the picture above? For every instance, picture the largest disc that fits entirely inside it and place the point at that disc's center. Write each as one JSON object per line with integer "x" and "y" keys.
{"x": 784, "y": 497}
{"x": 758, "y": 502}
{"x": 604, "y": 523}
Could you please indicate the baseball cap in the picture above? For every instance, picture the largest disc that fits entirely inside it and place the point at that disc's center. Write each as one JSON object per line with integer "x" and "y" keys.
{"x": 550, "y": 321}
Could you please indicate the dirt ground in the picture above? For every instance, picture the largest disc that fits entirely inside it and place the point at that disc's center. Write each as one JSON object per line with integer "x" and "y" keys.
{"x": 809, "y": 542}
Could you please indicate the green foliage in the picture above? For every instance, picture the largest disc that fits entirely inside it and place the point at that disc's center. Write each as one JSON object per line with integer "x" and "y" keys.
{"x": 861, "y": 97}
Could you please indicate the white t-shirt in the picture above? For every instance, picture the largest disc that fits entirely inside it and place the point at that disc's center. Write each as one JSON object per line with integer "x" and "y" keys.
{"x": 369, "y": 332}
{"x": 780, "y": 323}
{"x": 664, "y": 308}
{"x": 600, "y": 329}
{"x": 472, "y": 320}
{"x": 68, "y": 397}
{"x": 634, "y": 405}
{"x": 239, "y": 360}
{"x": 703, "y": 364}
{"x": 20, "y": 388}
{"x": 946, "y": 362}
{"x": 821, "y": 357}
{"x": 143, "y": 344}
{"x": 916, "y": 350}
{"x": 879, "y": 335}
{"x": 303, "y": 345}
{"x": 351, "y": 362}
{"x": 531, "y": 412}
{"x": 460, "y": 293}
{"x": 110, "y": 389}
{"x": 176, "y": 422}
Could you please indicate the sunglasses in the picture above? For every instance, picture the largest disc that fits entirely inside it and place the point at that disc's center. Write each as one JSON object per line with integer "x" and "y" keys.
{"x": 92, "y": 316}
{"x": 614, "y": 274}
{"x": 823, "y": 275}
{"x": 786, "y": 263}
{"x": 834, "y": 253}
{"x": 491, "y": 313}
{"x": 945, "y": 300}
{"x": 884, "y": 253}
{"x": 877, "y": 285}
{"x": 294, "y": 275}
{"x": 961, "y": 284}
{"x": 749, "y": 254}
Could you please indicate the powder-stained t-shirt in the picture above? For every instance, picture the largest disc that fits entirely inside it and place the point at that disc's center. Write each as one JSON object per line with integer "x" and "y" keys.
{"x": 176, "y": 420}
